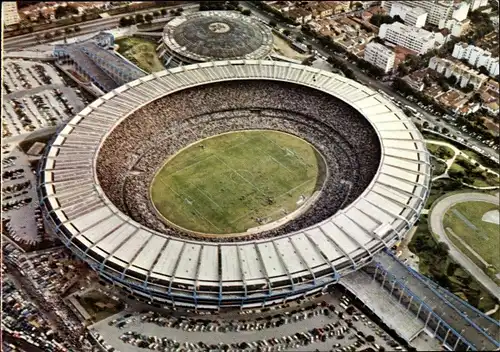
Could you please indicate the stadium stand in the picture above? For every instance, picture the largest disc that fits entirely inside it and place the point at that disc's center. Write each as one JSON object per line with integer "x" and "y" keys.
{"x": 87, "y": 199}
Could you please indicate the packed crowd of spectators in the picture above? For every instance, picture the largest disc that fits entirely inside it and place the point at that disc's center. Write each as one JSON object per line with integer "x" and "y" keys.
{"x": 138, "y": 147}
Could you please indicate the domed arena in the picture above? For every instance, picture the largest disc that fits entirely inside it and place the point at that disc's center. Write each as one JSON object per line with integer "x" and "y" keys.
{"x": 215, "y": 35}
{"x": 234, "y": 183}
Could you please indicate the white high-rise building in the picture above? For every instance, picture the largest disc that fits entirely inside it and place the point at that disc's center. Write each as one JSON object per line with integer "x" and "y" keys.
{"x": 380, "y": 56}
{"x": 416, "y": 39}
{"x": 437, "y": 10}
{"x": 477, "y": 57}
{"x": 460, "y": 11}
{"x": 10, "y": 14}
{"x": 475, "y": 4}
{"x": 412, "y": 16}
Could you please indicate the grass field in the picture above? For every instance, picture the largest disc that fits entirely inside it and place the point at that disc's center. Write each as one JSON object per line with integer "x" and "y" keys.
{"x": 141, "y": 52}
{"x": 482, "y": 237}
{"x": 236, "y": 181}
{"x": 440, "y": 151}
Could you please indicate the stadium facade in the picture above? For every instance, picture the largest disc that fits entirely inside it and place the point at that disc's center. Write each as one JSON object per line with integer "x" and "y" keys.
{"x": 214, "y": 35}
{"x": 169, "y": 270}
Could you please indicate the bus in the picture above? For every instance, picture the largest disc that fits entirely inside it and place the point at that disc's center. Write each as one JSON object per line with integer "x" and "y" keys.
{"x": 413, "y": 110}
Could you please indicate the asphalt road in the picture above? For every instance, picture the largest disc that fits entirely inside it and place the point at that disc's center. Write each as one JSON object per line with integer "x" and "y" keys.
{"x": 375, "y": 84}
{"x": 28, "y": 40}
{"x": 436, "y": 225}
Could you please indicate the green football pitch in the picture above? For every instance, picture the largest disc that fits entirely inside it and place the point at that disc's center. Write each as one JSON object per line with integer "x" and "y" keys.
{"x": 236, "y": 181}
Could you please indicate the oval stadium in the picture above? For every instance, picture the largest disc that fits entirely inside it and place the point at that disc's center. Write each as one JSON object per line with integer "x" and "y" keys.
{"x": 240, "y": 183}
{"x": 214, "y": 35}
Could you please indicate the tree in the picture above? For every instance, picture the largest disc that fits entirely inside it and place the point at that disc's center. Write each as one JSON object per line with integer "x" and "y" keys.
{"x": 378, "y": 19}
{"x": 273, "y": 23}
{"x": 443, "y": 248}
{"x": 68, "y": 30}
{"x": 148, "y": 18}
{"x": 427, "y": 81}
{"x": 172, "y": 12}
{"x": 156, "y": 13}
{"x": 286, "y": 32}
{"x": 370, "y": 339}
{"x": 47, "y": 35}
{"x": 163, "y": 12}
{"x": 349, "y": 73}
{"x": 180, "y": 9}
{"x": 483, "y": 70}
{"x": 246, "y": 12}
{"x": 357, "y": 6}
{"x": 124, "y": 22}
{"x": 77, "y": 29}
{"x": 299, "y": 38}
{"x": 58, "y": 32}
{"x": 452, "y": 80}
{"x": 398, "y": 18}
{"x": 139, "y": 18}
{"x": 468, "y": 88}
{"x": 60, "y": 12}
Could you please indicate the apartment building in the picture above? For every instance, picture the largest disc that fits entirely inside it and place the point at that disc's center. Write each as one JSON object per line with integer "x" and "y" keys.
{"x": 475, "y": 4}
{"x": 10, "y": 15}
{"x": 477, "y": 57}
{"x": 412, "y": 16}
{"x": 380, "y": 56}
{"x": 456, "y": 28}
{"x": 412, "y": 38}
{"x": 464, "y": 74}
{"x": 436, "y": 10}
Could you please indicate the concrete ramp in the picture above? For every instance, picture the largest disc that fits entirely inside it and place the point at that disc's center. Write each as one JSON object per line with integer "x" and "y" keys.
{"x": 385, "y": 306}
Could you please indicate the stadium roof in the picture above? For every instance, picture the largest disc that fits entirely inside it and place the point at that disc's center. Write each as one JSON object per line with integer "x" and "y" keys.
{"x": 218, "y": 35}
{"x": 378, "y": 218}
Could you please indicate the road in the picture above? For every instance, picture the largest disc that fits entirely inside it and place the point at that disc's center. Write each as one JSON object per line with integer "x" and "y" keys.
{"x": 28, "y": 40}
{"x": 371, "y": 82}
{"x": 20, "y": 343}
{"x": 436, "y": 226}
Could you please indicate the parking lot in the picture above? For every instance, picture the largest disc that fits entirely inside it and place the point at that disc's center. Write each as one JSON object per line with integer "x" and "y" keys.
{"x": 327, "y": 323}
{"x": 35, "y": 96}
{"x": 21, "y": 215}
{"x": 33, "y": 308}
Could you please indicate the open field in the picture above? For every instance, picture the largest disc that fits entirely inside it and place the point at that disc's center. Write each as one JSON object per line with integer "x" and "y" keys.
{"x": 465, "y": 219}
{"x": 141, "y": 52}
{"x": 236, "y": 181}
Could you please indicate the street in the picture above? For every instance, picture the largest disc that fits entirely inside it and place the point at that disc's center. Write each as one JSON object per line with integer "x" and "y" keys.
{"x": 28, "y": 40}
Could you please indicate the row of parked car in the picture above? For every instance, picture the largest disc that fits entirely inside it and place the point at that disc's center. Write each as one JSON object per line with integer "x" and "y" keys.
{"x": 20, "y": 317}
{"x": 343, "y": 327}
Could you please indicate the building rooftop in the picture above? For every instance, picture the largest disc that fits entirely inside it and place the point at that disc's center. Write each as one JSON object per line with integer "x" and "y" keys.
{"x": 409, "y": 30}
{"x": 218, "y": 35}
